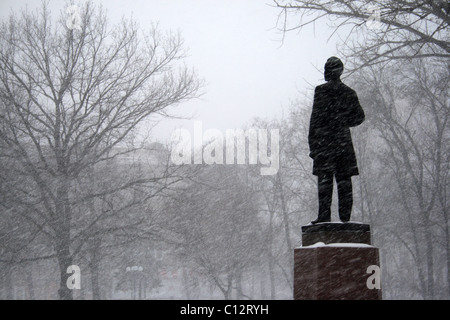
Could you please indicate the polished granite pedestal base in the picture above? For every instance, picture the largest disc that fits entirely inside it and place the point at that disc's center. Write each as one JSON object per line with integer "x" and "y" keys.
{"x": 336, "y": 261}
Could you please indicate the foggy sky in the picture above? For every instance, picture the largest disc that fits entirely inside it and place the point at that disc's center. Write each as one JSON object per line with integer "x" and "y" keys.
{"x": 235, "y": 47}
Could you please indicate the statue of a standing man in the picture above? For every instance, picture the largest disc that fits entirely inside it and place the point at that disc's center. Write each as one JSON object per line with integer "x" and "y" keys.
{"x": 336, "y": 108}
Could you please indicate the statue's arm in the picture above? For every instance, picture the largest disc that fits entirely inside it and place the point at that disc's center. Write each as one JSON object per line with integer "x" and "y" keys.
{"x": 355, "y": 114}
{"x": 313, "y": 125}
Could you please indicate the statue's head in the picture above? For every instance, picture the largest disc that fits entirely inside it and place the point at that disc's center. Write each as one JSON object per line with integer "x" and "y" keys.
{"x": 333, "y": 69}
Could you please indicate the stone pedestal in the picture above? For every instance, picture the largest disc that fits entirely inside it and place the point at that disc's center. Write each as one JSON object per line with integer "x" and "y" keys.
{"x": 336, "y": 261}
{"x": 336, "y": 232}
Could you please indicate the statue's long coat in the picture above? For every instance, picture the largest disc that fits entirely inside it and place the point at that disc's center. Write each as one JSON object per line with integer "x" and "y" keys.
{"x": 336, "y": 108}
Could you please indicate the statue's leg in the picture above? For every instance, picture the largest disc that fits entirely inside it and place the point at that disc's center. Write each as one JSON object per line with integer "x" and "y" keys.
{"x": 345, "y": 196}
{"x": 325, "y": 192}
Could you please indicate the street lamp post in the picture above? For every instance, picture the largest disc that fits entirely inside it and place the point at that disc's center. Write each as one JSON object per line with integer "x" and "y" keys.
{"x": 135, "y": 273}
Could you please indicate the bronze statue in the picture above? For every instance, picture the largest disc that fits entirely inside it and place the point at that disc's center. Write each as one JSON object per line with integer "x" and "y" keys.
{"x": 336, "y": 108}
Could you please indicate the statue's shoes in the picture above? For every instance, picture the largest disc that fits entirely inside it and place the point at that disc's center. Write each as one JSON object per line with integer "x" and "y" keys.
{"x": 320, "y": 221}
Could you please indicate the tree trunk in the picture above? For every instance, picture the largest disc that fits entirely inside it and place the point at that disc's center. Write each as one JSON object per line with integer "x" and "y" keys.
{"x": 7, "y": 280}
{"x": 62, "y": 233}
{"x": 271, "y": 262}
{"x": 94, "y": 266}
{"x": 262, "y": 282}
{"x": 64, "y": 260}
{"x": 30, "y": 285}
{"x": 287, "y": 232}
{"x": 447, "y": 248}
{"x": 186, "y": 286}
{"x": 430, "y": 262}
{"x": 227, "y": 291}
{"x": 64, "y": 257}
{"x": 238, "y": 280}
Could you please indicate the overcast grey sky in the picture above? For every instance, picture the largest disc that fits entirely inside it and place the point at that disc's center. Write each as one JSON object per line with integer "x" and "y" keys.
{"x": 235, "y": 47}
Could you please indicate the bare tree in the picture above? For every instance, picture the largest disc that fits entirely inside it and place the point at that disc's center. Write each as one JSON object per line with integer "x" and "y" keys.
{"x": 397, "y": 30}
{"x": 407, "y": 104}
{"x": 408, "y": 107}
{"x": 71, "y": 97}
{"x": 116, "y": 206}
{"x": 215, "y": 226}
